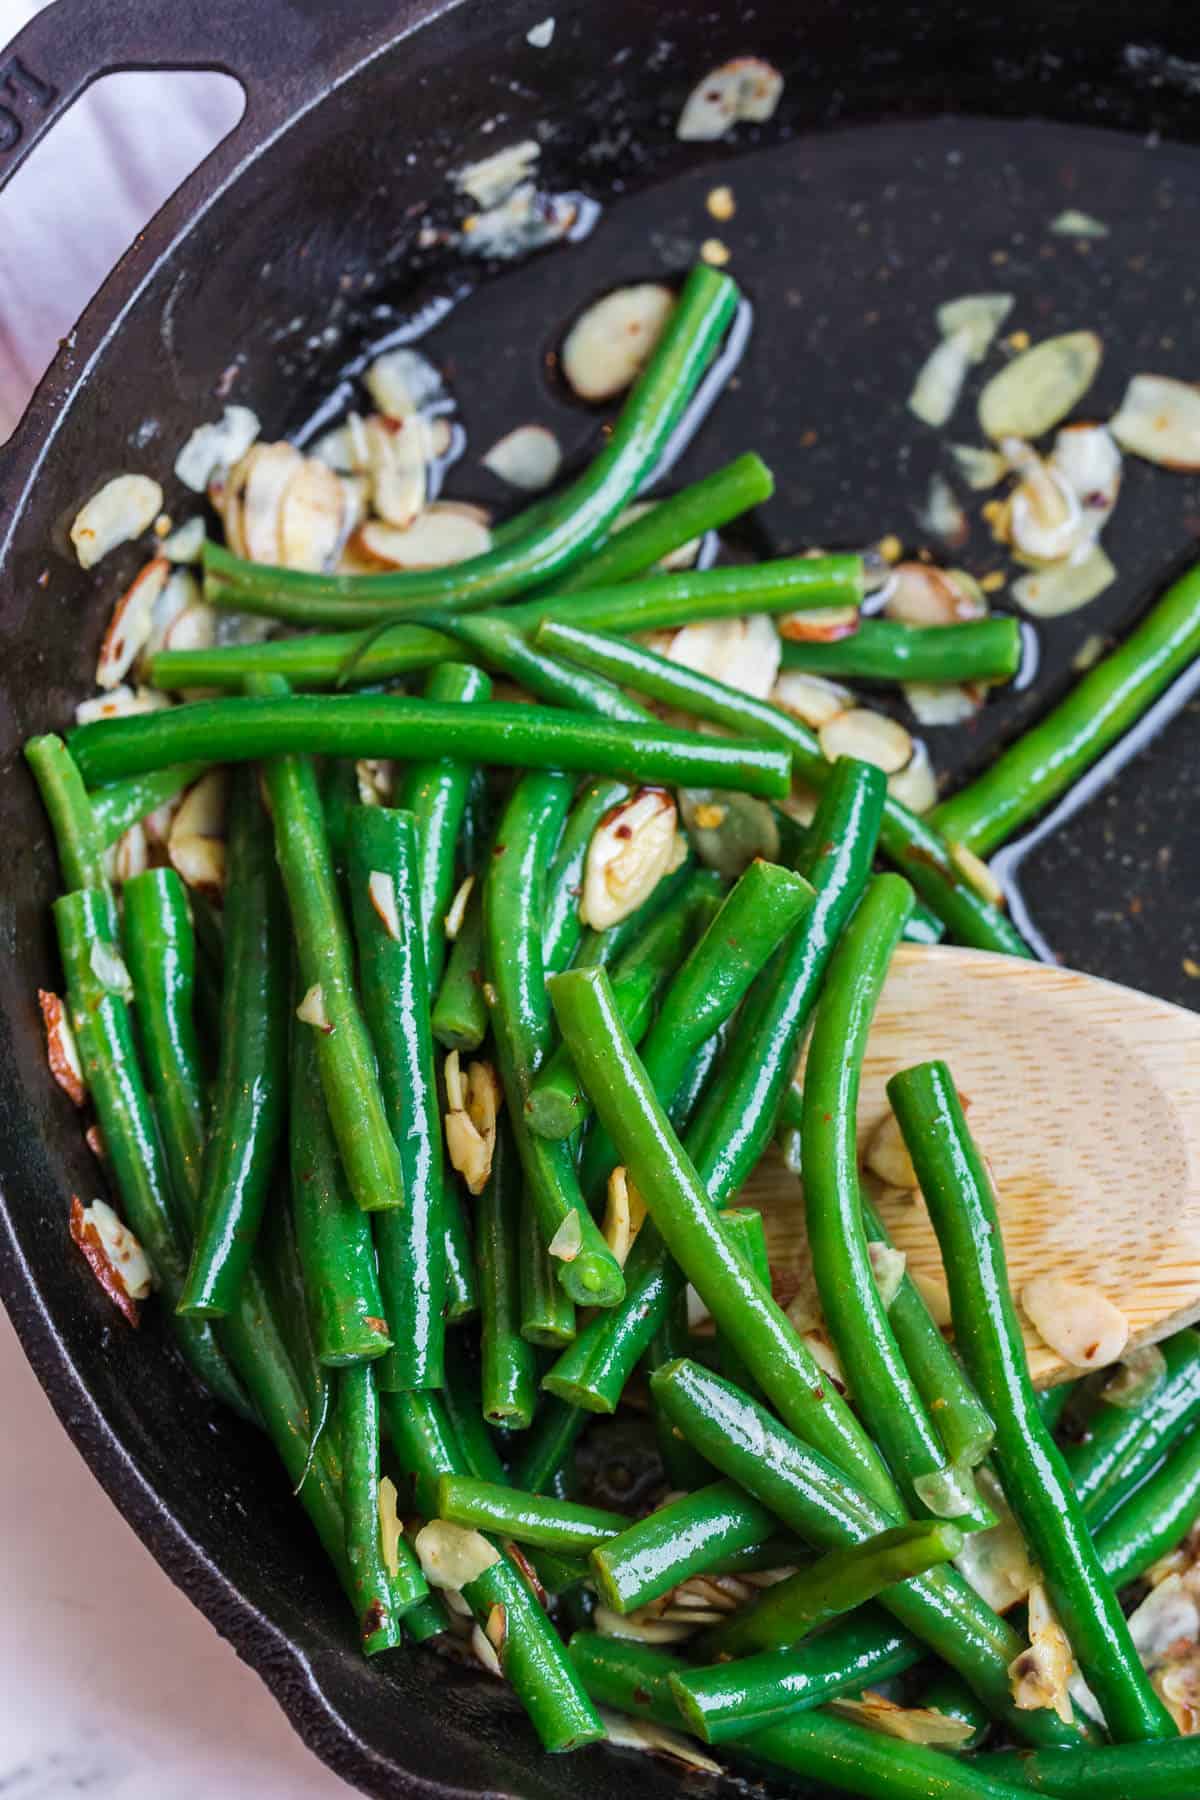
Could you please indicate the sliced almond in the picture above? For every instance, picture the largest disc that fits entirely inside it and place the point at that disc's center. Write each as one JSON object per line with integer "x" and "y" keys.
{"x": 942, "y": 515}
{"x": 1086, "y": 457}
{"x": 110, "y": 971}
{"x": 312, "y": 518}
{"x": 213, "y": 449}
{"x": 439, "y": 537}
{"x": 656, "y": 1740}
{"x": 1073, "y": 223}
{"x": 744, "y": 88}
{"x": 185, "y": 543}
{"x": 458, "y": 907}
{"x": 130, "y": 855}
{"x": 743, "y": 653}
{"x": 1040, "y": 1676}
{"x": 399, "y": 457}
{"x": 819, "y": 624}
{"x": 912, "y": 1724}
{"x": 268, "y": 469}
{"x": 1159, "y": 419}
{"x": 1044, "y": 521}
{"x": 391, "y": 1526}
{"x": 886, "y": 1154}
{"x": 474, "y": 1100}
{"x": 381, "y": 892}
{"x": 195, "y": 628}
{"x": 131, "y": 622}
{"x": 1038, "y": 388}
{"x": 124, "y": 508}
{"x": 484, "y": 1653}
{"x": 312, "y": 1010}
{"x": 180, "y": 591}
{"x": 402, "y": 382}
{"x": 940, "y": 703}
{"x": 978, "y": 316}
{"x": 810, "y": 698}
{"x": 888, "y": 1266}
{"x": 123, "y": 1250}
{"x": 375, "y": 778}
{"x": 120, "y": 703}
{"x": 1063, "y": 587}
{"x": 195, "y": 844}
{"x": 526, "y": 221}
{"x": 62, "y": 1052}
{"x": 608, "y": 344}
{"x": 85, "y": 1233}
{"x": 451, "y": 1556}
{"x": 631, "y": 849}
{"x": 567, "y": 1241}
{"x": 639, "y": 1626}
{"x": 918, "y": 594}
{"x": 868, "y": 736}
{"x": 976, "y": 874}
{"x": 939, "y": 384}
{"x": 916, "y": 785}
{"x": 936, "y": 1295}
{"x": 980, "y": 469}
{"x": 624, "y": 1214}
{"x": 1078, "y": 1321}
{"x": 996, "y": 1563}
{"x": 494, "y": 177}
{"x": 529, "y": 457}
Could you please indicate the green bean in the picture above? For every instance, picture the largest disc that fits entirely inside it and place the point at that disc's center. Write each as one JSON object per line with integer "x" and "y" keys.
{"x": 924, "y": 925}
{"x": 1123, "y": 1443}
{"x": 77, "y": 834}
{"x": 734, "y": 1121}
{"x": 688, "y": 1536}
{"x": 947, "y": 1694}
{"x": 745, "y": 1231}
{"x": 333, "y": 1234}
{"x": 887, "y": 650}
{"x": 344, "y": 1052}
{"x": 126, "y": 803}
{"x": 557, "y": 1105}
{"x": 915, "y": 846}
{"x": 729, "y": 1699}
{"x": 835, "y": 1584}
{"x": 507, "y": 1379}
{"x": 885, "y": 1393}
{"x": 669, "y": 524}
{"x": 308, "y": 660}
{"x": 424, "y": 1441}
{"x": 96, "y": 978}
{"x": 425, "y": 1620}
{"x": 1169, "y": 1771}
{"x": 684, "y": 1468}
{"x": 547, "y": 1312}
{"x": 635, "y": 1679}
{"x": 391, "y": 725}
{"x": 513, "y": 888}
{"x": 1155, "y": 1518}
{"x": 504, "y": 647}
{"x": 1052, "y": 1403}
{"x": 561, "y": 925}
{"x": 1114, "y": 693}
{"x": 958, "y": 1194}
{"x": 460, "y": 1019}
{"x": 542, "y": 1463}
{"x": 357, "y": 1425}
{"x": 160, "y": 949}
{"x": 582, "y": 516}
{"x": 340, "y": 797}
{"x": 822, "y": 1504}
{"x": 462, "y": 1294}
{"x": 385, "y": 898}
{"x": 527, "y": 1518}
{"x": 435, "y": 792}
{"x": 532, "y": 1658}
{"x": 463, "y": 1402}
{"x": 753, "y": 1324}
{"x": 250, "y": 1102}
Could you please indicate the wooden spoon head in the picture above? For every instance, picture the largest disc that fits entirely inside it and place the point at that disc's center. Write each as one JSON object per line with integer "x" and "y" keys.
{"x": 1085, "y": 1098}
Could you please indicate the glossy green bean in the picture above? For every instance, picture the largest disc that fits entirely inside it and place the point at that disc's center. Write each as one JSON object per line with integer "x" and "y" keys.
{"x": 532, "y": 1658}
{"x": 547, "y": 1311}
{"x": 126, "y": 803}
{"x": 914, "y": 845}
{"x": 427, "y": 1619}
{"x": 743, "y": 1309}
{"x": 1169, "y": 1771}
{"x": 958, "y": 1194}
{"x": 536, "y": 1519}
{"x": 1122, "y": 1444}
{"x": 77, "y": 835}
{"x": 250, "y": 1100}
{"x": 562, "y": 927}
{"x": 1114, "y": 693}
{"x": 462, "y": 1399}
{"x": 946, "y": 1693}
{"x": 634, "y": 1678}
{"x": 356, "y": 1420}
{"x": 391, "y": 725}
{"x": 435, "y": 792}
{"x": 462, "y": 1293}
{"x": 460, "y": 1019}
{"x": 385, "y": 900}
{"x": 507, "y": 1380}
{"x": 424, "y": 1442}
{"x": 688, "y": 1536}
{"x": 825, "y": 1506}
{"x": 683, "y": 1467}
{"x": 581, "y": 517}
{"x": 733, "y": 1123}
{"x": 729, "y": 1699}
{"x": 499, "y": 642}
{"x": 924, "y": 925}
{"x": 542, "y": 1464}
{"x": 308, "y": 660}
{"x": 744, "y": 1228}
{"x": 1155, "y": 1517}
{"x": 333, "y": 1234}
{"x": 834, "y": 1584}
{"x": 887, "y": 650}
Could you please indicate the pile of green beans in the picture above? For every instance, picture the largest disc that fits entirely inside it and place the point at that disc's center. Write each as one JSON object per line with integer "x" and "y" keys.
{"x": 425, "y": 1311}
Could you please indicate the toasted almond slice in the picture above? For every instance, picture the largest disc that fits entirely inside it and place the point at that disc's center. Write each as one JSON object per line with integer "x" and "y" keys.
{"x": 129, "y": 856}
{"x": 819, "y": 624}
{"x": 656, "y": 1740}
{"x": 996, "y": 1563}
{"x": 1159, "y": 419}
{"x": 1040, "y": 1676}
{"x": 528, "y": 457}
{"x": 976, "y": 873}
{"x": 62, "y": 1052}
{"x": 1086, "y": 457}
{"x": 312, "y": 518}
{"x": 918, "y": 594}
{"x": 123, "y": 1250}
{"x": 391, "y": 1526}
{"x": 1044, "y": 521}
{"x": 978, "y": 316}
{"x": 1077, "y": 1320}
{"x": 745, "y": 88}
{"x": 916, "y": 785}
{"x": 640, "y": 1625}
{"x": 399, "y": 467}
{"x": 942, "y": 515}
{"x": 268, "y": 469}
{"x": 608, "y": 344}
{"x": 869, "y": 736}
{"x": 375, "y": 778}
{"x": 120, "y": 703}
{"x": 474, "y": 1101}
{"x": 402, "y": 382}
{"x": 567, "y": 1241}
{"x": 194, "y": 844}
{"x": 912, "y": 1724}
{"x": 494, "y": 177}
{"x": 624, "y": 1214}
{"x": 381, "y": 891}
{"x": 124, "y": 508}
{"x": 458, "y": 907}
{"x": 980, "y": 469}
{"x": 213, "y": 449}
{"x": 451, "y": 1556}
{"x": 185, "y": 543}
{"x": 886, "y": 1154}
{"x": 131, "y": 622}
{"x": 743, "y": 653}
{"x": 194, "y": 628}
{"x": 937, "y": 703}
{"x": 888, "y": 1266}
{"x": 180, "y": 591}
{"x": 311, "y": 1010}
{"x": 936, "y": 1295}
{"x": 631, "y": 849}
{"x": 1039, "y": 387}
{"x": 1073, "y": 223}
{"x": 85, "y": 1233}
{"x": 826, "y": 1358}
{"x": 939, "y": 384}
{"x": 810, "y": 698}
{"x": 527, "y": 220}
{"x": 1063, "y": 587}
{"x": 439, "y": 537}
{"x": 484, "y": 1653}
{"x": 110, "y": 971}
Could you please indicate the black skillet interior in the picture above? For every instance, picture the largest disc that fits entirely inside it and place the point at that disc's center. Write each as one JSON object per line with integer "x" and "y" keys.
{"x": 860, "y": 207}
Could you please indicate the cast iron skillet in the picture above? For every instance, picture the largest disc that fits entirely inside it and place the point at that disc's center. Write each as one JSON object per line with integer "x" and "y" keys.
{"x": 306, "y": 217}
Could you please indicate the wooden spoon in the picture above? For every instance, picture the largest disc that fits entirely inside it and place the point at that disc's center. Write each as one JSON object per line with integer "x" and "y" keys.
{"x": 1085, "y": 1098}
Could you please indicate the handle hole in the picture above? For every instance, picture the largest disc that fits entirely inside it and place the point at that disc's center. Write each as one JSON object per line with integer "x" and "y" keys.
{"x": 73, "y": 209}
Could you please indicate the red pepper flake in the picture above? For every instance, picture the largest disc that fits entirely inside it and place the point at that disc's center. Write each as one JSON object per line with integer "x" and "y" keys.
{"x": 85, "y": 1235}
